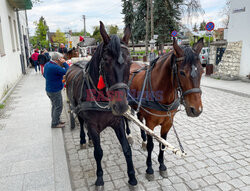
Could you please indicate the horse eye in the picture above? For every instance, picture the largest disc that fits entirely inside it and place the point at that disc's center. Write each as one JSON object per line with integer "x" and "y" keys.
{"x": 182, "y": 73}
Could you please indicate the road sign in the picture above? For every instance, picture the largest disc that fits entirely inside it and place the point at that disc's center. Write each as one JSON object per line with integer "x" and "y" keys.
{"x": 210, "y": 26}
{"x": 174, "y": 34}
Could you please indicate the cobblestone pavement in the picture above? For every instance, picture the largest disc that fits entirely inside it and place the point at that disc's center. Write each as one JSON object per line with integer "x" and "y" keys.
{"x": 217, "y": 144}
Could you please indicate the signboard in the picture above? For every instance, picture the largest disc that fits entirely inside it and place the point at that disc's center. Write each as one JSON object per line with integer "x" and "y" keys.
{"x": 210, "y": 26}
{"x": 174, "y": 34}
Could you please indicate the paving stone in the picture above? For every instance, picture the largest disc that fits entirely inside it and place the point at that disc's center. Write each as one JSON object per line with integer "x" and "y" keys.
{"x": 245, "y": 179}
{"x": 180, "y": 186}
{"x": 237, "y": 183}
{"x": 210, "y": 188}
{"x": 222, "y": 177}
{"x": 211, "y": 180}
{"x": 224, "y": 186}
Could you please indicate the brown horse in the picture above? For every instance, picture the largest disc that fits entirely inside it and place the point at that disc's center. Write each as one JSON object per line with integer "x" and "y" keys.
{"x": 71, "y": 53}
{"x": 172, "y": 79}
{"x": 111, "y": 61}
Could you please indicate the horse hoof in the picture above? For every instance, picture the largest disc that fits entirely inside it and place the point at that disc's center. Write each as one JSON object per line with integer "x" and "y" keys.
{"x": 99, "y": 181}
{"x": 130, "y": 139}
{"x": 150, "y": 170}
{"x": 83, "y": 146}
{"x": 162, "y": 167}
{"x": 144, "y": 145}
{"x": 150, "y": 177}
{"x": 91, "y": 143}
{"x": 164, "y": 174}
{"x": 132, "y": 181}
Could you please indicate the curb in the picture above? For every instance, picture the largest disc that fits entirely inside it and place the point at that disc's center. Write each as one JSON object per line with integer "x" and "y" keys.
{"x": 229, "y": 91}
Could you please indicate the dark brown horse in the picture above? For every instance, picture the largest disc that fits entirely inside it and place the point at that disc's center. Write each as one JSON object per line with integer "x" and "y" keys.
{"x": 71, "y": 54}
{"x": 172, "y": 79}
{"x": 112, "y": 61}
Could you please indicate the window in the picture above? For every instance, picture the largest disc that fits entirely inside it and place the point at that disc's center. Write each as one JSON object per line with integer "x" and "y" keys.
{"x": 17, "y": 41}
{"x": 2, "y": 52}
{"x": 12, "y": 35}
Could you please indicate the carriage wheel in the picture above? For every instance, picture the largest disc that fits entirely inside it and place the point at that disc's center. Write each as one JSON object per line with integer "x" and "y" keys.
{"x": 72, "y": 121}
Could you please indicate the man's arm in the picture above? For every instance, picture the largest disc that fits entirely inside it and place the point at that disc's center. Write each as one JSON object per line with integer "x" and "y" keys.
{"x": 63, "y": 69}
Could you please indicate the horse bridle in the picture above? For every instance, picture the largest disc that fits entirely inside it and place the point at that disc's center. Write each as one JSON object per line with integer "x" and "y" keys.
{"x": 180, "y": 92}
{"x": 116, "y": 86}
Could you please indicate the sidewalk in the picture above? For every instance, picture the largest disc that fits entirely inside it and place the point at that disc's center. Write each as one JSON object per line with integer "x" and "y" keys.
{"x": 32, "y": 155}
{"x": 236, "y": 87}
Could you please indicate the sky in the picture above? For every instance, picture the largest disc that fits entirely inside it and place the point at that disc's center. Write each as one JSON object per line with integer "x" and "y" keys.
{"x": 67, "y": 14}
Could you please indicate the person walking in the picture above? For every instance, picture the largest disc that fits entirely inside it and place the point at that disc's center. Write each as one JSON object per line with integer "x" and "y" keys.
{"x": 62, "y": 49}
{"x": 34, "y": 57}
{"x": 152, "y": 55}
{"x": 43, "y": 59}
{"x": 54, "y": 71}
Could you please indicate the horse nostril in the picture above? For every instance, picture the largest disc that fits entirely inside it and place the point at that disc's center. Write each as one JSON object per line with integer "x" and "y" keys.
{"x": 193, "y": 110}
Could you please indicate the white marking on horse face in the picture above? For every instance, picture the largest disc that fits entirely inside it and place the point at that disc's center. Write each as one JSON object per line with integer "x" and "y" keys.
{"x": 200, "y": 108}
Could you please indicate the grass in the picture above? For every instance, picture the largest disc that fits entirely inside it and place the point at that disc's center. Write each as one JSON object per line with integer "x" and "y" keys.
{"x": 1, "y": 106}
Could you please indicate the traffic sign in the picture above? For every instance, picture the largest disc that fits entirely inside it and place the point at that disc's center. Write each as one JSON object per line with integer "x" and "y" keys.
{"x": 174, "y": 34}
{"x": 210, "y": 26}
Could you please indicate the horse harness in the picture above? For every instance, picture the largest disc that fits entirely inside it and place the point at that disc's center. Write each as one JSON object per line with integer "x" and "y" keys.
{"x": 88, "y": 81}
{"x": 179, "y": 98}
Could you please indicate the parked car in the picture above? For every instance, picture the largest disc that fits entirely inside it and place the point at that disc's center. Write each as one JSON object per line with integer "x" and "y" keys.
{"x": 204, "y": 56}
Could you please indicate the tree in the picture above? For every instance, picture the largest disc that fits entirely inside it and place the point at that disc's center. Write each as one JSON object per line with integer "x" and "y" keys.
{"x": 39, "y": 40}
{"x": 80, "y": 33}
{"x": 96, "y": 34}
{"x": 195, "y": 28}
{"x": 225, "y": 12}
{"x": 112, "y": 29}
{"x": 59, "y": 37}
{"x": 202, "y": 26}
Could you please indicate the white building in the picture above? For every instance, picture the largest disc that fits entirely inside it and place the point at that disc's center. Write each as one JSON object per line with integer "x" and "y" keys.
{"x": 238, "y": 30}
{"x": 14, "y": 42}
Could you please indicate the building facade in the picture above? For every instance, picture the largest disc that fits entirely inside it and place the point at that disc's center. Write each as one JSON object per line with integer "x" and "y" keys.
{"x": 238, "y": 30}
{"x": 14, "y": 42}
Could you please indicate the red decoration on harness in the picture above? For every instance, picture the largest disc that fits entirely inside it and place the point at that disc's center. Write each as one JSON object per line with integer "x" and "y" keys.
{"x": 101, "y": 83}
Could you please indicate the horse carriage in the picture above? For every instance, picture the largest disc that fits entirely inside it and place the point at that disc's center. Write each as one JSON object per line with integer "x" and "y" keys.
{"x": 101, "y": 92}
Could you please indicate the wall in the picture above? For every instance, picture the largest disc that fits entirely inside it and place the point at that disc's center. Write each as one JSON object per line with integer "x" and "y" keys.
{"x": 238, "y": 30}
{"x": 10, "y": 65}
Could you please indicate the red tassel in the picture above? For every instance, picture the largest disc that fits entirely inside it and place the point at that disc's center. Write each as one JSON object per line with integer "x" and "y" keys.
{"x": 101, "y": 83}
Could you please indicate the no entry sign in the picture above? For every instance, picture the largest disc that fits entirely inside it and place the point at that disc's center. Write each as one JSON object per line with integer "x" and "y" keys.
{"x": 174, "y": 34}
{"x": 210, "y": 26}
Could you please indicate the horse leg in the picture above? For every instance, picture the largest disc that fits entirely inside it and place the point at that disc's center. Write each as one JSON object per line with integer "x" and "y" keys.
{"x": 161, "y": 154}
{"x": 90, "y": 140}
{"x": 143, "y": 134}
{"x": 98, "y": 153}
{"x": 82, "y": 133}
{"x": 150, "y": 146}
{"x": 120, "y": 133}
{"x": 128, "y": 132}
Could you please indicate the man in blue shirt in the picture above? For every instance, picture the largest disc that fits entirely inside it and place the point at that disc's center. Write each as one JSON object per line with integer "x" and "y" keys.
{"x": 54, "y": 71}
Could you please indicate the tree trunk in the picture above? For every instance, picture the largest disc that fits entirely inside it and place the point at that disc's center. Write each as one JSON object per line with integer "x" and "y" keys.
{"x": 152, "y": 19}
{"x": 146, "y": 38}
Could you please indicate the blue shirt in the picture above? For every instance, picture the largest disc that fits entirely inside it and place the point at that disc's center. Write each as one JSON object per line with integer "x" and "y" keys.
{"x": 53, "y": 74}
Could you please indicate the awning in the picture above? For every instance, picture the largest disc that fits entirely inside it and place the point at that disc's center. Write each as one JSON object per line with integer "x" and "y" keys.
{"x": 21, "y": 4}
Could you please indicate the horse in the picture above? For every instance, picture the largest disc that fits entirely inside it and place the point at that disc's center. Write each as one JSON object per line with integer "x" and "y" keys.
{"x": 71, "y": 53}
{"x": 157, "y": 90}
{"x": 109, "y": 66}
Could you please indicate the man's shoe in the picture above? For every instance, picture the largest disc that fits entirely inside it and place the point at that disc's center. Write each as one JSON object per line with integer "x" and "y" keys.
{"x": 62, "y": 122}
{"x": 59, "y": 126}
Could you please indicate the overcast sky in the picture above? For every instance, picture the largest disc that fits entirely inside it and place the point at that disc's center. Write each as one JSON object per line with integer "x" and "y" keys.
{"x": 67, "y": 14}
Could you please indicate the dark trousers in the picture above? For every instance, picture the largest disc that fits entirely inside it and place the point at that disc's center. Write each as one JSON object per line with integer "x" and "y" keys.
{"x": 36, "y": 65}
{"x": 57, "y": 106}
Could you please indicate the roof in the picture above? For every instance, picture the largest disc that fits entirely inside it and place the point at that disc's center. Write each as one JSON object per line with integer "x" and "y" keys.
{"x": 88, "y": 41}
{"x": 21, "y": 4}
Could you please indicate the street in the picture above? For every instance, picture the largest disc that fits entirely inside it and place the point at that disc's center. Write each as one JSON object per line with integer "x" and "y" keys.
{"x": 217, "y": 144}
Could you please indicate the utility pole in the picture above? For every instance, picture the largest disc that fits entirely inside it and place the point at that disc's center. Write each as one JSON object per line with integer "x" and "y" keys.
{"x": 146, "y": 38}
{"x": 84, "y": 25}
{"x": 152, "y": 19}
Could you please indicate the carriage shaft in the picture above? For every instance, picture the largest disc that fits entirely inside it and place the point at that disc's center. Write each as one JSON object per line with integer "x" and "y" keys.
{"x": 167, "y": 145}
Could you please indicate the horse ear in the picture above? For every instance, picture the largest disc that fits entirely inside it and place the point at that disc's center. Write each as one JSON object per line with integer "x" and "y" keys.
{"x": 198, "y": 46}
{"x": 127, "y": 34}
{"x": 104, "y": 34}
{"x": 177, "y": 50}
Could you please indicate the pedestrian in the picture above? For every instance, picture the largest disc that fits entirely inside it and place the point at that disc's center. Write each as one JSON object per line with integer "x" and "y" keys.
{"x": 34, "y": 57}
{"x": 43, "y": 59}
{"x": 152, "y": 55}
{"x": 62, "y": 49}
{"x": 54, "y": 71}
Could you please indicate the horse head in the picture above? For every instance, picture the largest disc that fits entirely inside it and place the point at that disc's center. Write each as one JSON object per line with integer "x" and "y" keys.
{"x": 188, "y": 73}
{"x": 114, "y": 68}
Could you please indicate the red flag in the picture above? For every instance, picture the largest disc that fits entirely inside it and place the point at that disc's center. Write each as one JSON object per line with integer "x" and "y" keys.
{"x": 81, "y": 39}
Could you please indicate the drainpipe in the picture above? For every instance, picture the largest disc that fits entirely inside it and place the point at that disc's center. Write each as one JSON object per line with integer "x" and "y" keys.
{"x": 21, "y": 43}
{"x": 28, "y": 33}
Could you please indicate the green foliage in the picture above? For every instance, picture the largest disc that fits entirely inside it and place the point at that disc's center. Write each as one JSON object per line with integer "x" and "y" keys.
{"x": 112, "y": 29}
{"x": 128, "y": 11}
{"x": 206, "y": 40}
{"x": 39, "y": 40}
{"x": 59, "y": 37}
{"x": 80, "y": 33}
{"x": 96, "y": 34}
{"x": 195, "y": 28}
{"x": 1, "y": 106}
{"x": 202, "y": 26}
